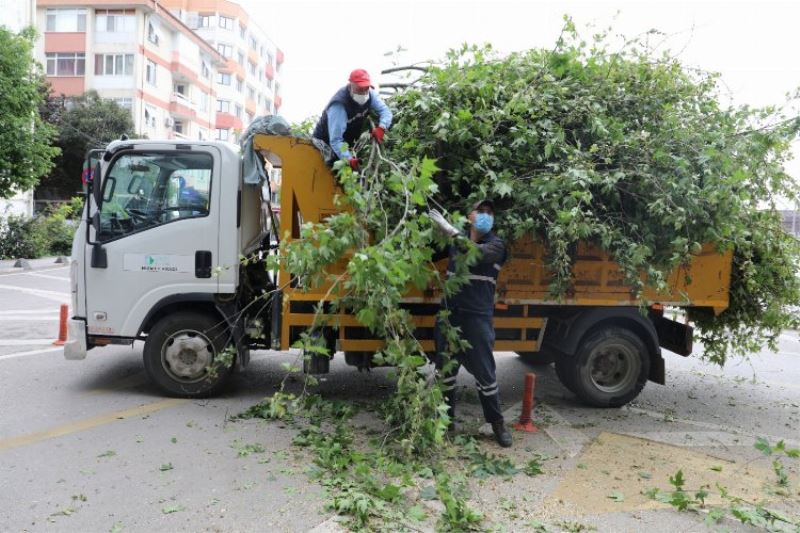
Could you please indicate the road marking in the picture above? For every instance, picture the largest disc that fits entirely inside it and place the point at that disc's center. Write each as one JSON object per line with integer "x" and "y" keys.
{"x": 25, "y": 342}
{"x": 62, "y": 297}
{"x": 53, "y": 318}
{"x": 32, "y": 352}
{"x": 88, "y": 423}
{"x": 28, "y": 312}
{"x": 27, "y": 272}
{"x": 45, "y": 276}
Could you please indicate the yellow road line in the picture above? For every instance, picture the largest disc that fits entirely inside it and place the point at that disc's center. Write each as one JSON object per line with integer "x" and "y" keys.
{"x": 89, "y": 423}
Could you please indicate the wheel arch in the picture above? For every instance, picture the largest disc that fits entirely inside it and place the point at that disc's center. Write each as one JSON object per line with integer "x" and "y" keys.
{"x": 570, "y": 330}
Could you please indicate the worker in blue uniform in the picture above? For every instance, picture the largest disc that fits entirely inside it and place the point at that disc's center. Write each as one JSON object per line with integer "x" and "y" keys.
{"x": 342, "y": 121}
{"x": 472, "y": 310}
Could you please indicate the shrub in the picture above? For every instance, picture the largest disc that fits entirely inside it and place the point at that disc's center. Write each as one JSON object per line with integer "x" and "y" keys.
{"x": 47, "y": 234}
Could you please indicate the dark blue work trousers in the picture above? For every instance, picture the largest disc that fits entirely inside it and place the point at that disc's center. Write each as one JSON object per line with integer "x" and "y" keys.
{"x": 478, "y": 330}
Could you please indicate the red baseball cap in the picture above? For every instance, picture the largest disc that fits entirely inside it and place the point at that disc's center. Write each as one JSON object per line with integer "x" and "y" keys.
{"x": 360, "y": 77}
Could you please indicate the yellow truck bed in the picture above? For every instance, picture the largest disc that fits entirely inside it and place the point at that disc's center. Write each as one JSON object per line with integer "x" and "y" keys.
{"x": 307, "y": 191}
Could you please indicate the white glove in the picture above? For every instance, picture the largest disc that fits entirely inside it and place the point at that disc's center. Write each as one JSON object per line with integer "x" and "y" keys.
{"x": 443, "y": 224}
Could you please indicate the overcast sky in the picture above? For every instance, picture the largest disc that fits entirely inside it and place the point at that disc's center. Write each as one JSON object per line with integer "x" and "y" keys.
{"x": 754, "y": 45}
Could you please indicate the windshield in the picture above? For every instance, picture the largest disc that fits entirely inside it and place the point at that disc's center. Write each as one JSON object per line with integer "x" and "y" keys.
{"x": 144, "y": 190}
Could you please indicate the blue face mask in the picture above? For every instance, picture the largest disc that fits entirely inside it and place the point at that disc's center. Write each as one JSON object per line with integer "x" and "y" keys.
{"x": 483, "y": 223}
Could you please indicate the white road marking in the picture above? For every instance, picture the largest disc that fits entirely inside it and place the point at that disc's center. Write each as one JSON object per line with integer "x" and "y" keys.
{"x": 6, "y": 319}
{"x": 25, "y": 342}
{"x": 45, "y": 276}
{"x": 62, "y": 297}
{"x": 28, "y": 271}
{"x": 32, "y": 352}
{"x": 12, "y": 312}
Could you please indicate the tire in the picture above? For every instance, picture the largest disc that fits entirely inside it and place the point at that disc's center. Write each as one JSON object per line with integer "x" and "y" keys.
{"x": 180, "y": 350}
{"x": 564, "y": 366}
{"x": 609, "y": 369}
{"x": 540, "y": 358}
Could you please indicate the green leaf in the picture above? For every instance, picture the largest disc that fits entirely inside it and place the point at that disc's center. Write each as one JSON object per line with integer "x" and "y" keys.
{"x": 428, "y": 493}
{"x": 616, "y": 496}
{"x": 417, "y": 513}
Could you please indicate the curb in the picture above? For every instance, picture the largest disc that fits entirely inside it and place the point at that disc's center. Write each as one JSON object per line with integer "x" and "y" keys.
{"x": 19, "y": 266}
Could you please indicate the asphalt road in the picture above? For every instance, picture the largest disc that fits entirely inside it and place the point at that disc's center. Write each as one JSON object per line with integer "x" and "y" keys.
{"x": 91, "y": 446}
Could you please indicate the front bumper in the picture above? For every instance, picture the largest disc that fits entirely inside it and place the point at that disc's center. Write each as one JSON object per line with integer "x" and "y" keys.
{"x": 75, "y": 347}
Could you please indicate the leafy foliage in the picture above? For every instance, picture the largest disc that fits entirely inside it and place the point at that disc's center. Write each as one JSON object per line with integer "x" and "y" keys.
{"x": 25, "y": 150}
{"x": 85, "y": 122}
{"x": 623, "y": 148}
{"x": 48, "y": 233}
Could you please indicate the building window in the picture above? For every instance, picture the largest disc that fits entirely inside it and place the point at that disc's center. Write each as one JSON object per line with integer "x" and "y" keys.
{"x": 66, "y": 20}
{"x": 225, "y": 50}
{"x": 222, "y": 135}
{"x": 204, "y": 102}
{"x": 253, "y": 43}
{"x": 242, "y": 32}
{"x": 251, "y": 93}
{"x": 116, "y": 20}
{"x": 204, "y": 21}
{"x": 205, "y": 70}
{"x": 252, "y": 67}
{"x": 238, "y": 85}
{"x": 177, "y": 127}
{"x": 268, "y": 83}
{"x": 150, "y": 73}
{"x": 270, "y": 59}
{"x": 223, "y": 78}
{"x": 202, "y": 133}
{"x": 223, "y": 106}
{"x": 66, "y": 64}
{"x": 240, "y": 57}
{"x": 268, "y": 105}
{"x": 237, "y": 111}
{"x": 249, "y": 118}
{"x": 180, "y": 88}
{"x": 113, "y": 64}
{"x": 150, "y": 115}
{"x": 152, "y": 34}
{"x": 124, "y": 103}
{"x": 226, "y": 23}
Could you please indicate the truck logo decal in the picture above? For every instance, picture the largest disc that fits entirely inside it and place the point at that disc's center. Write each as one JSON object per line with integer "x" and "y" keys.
{"x": 158, "y": 263}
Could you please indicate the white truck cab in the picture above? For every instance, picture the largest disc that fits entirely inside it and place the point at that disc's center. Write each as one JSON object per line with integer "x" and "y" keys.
{"x": 156, "y": 258}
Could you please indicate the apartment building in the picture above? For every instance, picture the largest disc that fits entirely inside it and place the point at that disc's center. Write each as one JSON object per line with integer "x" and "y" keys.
{"x": 138, "y": 54}
{"x": 248, "y": 84}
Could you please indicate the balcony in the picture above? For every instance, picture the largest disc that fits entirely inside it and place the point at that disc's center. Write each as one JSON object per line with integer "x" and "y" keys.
{"x": 226, "y": 121}
{"x": 278, "y": 103}
{"x": 279, "y": 57}
{"x": 250, "y": 106}
{"x": 181, "y": 106}
{"x": 270, "y": 72}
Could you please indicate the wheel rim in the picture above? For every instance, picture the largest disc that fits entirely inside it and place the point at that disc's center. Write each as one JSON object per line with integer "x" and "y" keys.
{"x": 614, "y": 367}
{"x": 186, "y": 355}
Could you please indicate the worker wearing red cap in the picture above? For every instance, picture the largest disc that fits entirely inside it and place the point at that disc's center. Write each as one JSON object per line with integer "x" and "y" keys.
{"x": 343, "y": 119}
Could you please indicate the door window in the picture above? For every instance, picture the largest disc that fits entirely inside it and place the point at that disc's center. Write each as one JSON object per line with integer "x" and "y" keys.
{"x": 144, "y": 190}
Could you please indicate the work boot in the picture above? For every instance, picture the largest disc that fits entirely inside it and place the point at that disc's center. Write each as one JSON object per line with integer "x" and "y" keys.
{"x": 501, "y": 434}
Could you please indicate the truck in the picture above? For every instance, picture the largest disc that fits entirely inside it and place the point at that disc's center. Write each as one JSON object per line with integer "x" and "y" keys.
{"x": 157, "y": 258}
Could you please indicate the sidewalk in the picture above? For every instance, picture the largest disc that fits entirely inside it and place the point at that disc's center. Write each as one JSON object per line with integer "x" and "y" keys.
{"x": 7, "y": 265}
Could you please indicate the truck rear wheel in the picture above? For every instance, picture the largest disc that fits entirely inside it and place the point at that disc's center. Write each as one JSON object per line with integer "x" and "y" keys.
{"x": 183, "y": 354}
{"x": 609, "y": 369}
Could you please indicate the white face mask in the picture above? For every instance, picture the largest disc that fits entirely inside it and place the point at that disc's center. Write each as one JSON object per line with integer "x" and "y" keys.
{"x": 360, "y": 99}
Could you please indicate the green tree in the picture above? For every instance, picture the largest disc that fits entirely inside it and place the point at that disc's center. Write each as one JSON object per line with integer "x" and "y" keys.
{"x": 26, "y": 153}
{"x": 85, "y": 122}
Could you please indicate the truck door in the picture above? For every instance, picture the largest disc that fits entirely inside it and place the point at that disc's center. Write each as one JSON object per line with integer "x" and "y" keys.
{"x": 158, "y": 223}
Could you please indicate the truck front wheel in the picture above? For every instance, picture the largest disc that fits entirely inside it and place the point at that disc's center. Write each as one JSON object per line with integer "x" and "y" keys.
{"x": 609, "y": 369}
{"x": 185, "y": 354}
